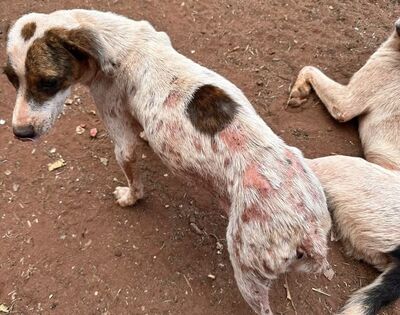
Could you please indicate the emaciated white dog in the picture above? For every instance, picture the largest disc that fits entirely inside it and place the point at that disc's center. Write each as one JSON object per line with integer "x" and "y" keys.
{"x": 199, "y": 123}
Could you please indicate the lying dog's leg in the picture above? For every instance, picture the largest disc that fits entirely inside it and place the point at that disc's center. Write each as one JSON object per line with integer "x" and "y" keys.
{"x": 336, "y": 97}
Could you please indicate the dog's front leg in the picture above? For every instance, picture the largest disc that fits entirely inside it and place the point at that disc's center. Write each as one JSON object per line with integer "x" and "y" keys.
{"x": 337, "y": 98}
{"x": 126, "y": 158}
{"x": 124, "y": 131}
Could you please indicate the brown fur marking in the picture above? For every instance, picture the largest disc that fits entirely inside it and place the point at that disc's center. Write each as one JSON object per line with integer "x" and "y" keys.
{"x": 211, "y": 109}
{"x": 56, "y": 61}
{"x": 28, "y": 31}
{"x": 9, "y": 71}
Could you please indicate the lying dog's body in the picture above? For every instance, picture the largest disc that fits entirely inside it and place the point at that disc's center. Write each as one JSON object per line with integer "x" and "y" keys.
{"x": 373, "y": 94}
{"x": 364, "y": 201}
{"x": 199, "y": 124}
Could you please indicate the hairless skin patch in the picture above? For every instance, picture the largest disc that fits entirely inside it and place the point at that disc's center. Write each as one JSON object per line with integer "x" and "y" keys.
{"x": 211, "y": 110}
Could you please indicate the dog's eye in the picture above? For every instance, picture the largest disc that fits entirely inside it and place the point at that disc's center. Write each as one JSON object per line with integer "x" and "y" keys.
{"x": 49, "y": 85}
{"x": 12, "y": 77}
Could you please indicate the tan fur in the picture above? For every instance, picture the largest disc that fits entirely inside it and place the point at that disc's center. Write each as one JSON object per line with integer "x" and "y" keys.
{"x": 373, "y": 94}
{"x": 364, "y": 201}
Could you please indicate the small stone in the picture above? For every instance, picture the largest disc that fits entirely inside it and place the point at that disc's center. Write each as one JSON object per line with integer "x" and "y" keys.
{"x": 68, "y": 101}
{"x": 15, "y": 187}
{"x": 53, "y": 150}
{"x": 118, "y": 253}
{"x": 7, "y": 172}
{"x": 2, "y": 122}
{"x": 56, "y": 165}
{"x": 104, "y": 161}
{"x": 212, "y": 277}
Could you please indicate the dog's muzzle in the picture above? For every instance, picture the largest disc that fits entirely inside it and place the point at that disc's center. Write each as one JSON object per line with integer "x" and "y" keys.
{"x": 24, "y": 133}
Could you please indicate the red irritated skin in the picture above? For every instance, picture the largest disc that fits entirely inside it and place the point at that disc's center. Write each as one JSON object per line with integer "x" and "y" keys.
{"x": 198, "y": 123}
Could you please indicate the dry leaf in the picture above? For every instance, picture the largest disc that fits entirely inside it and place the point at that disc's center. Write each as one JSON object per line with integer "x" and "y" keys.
{"x": 4, "y": 309}
{"x": 80, "y": 130}
{"x": 329, "y": 274}
{"x": 56, "y": 165}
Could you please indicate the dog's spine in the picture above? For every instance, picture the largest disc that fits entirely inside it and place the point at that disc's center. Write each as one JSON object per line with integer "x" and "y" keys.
{"x": 384, "y": 290}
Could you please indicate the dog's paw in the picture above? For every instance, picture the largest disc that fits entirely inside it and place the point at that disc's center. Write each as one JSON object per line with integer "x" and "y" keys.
{"x": 301, "y": 89}
{"x": 126, "y": 197}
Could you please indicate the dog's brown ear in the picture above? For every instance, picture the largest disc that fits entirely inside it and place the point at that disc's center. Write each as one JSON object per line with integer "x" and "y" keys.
{"x": 83, "y": 44}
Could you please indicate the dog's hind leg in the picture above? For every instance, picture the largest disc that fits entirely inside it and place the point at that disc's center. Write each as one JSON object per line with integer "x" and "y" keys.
{"x": 336, "y": 97}
{"x": 253, "y": 283}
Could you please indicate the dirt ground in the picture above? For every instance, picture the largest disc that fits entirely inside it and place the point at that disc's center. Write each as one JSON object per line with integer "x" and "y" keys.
{"x": 67, "y": 248}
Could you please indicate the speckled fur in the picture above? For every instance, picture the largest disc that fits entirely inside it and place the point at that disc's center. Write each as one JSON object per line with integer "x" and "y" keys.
{"x": 364, "y": 201}
{"x": 372, "y": 94}
{"x": 278, "y": 218}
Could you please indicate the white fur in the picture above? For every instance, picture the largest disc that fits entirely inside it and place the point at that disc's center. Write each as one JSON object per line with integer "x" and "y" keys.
{"x": 277, "y": 207}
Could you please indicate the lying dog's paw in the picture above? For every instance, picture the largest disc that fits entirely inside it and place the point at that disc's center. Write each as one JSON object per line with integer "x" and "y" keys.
{"x": 301, "y": 89}
{"x": 126, "y": 197}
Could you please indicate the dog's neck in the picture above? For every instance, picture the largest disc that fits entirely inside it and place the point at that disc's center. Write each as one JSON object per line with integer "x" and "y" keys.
{"x": 131, "y": 47}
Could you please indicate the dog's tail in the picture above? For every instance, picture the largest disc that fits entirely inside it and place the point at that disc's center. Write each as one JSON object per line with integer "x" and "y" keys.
{"x": 384, "y": 290}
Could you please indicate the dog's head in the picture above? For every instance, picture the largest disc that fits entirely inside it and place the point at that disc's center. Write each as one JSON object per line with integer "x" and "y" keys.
{"x": 47, "y": 54}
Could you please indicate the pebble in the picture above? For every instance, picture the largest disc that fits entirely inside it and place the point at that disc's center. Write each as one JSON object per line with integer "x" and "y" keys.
{"x": 104, "y": 161}
{"x": 2, "y": 122}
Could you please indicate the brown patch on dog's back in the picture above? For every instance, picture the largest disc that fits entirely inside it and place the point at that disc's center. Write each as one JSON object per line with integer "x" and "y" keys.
{"x": 28, "y": 30}
{"x": 211, "y": 109}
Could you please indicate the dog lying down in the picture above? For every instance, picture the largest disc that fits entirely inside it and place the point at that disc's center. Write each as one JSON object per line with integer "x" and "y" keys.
{"x": 199, "y": 124}
{"x": 365, "y": 205}
{"x": 372, "y": 94}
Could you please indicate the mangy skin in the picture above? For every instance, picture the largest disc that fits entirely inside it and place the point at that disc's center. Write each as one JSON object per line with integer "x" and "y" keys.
{"x": 278, "y": 218}
{"x": 372, "y": 94}
{"x": 364, "y": 201}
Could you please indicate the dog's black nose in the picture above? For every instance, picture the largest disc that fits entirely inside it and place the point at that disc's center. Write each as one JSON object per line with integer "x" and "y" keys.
{"x": 24, "y": 132}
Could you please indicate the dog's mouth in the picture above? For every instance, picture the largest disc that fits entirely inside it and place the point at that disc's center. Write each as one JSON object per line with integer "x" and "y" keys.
{"x": 26, "y": 139}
